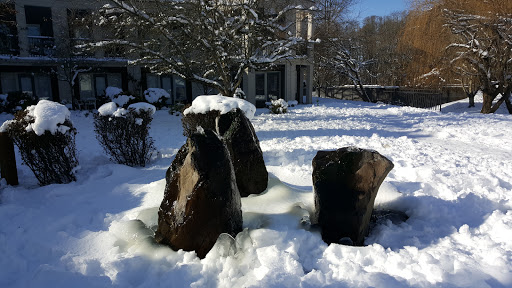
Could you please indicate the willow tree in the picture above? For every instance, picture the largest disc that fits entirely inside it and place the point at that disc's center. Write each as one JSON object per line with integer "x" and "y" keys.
{"x": 469, "y": 41}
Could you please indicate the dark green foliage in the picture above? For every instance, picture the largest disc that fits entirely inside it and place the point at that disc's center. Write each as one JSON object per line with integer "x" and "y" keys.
{"x": 126, "y": 139}
{"x": 52, "y": 157}
{"x": 16, "y": 101}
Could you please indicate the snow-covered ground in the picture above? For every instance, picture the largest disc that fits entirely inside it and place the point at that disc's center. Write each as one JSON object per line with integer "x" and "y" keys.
{"x": 452, "y": 176}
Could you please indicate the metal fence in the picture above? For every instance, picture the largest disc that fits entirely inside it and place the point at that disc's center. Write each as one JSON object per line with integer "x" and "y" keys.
{"x": 419, "y": 98}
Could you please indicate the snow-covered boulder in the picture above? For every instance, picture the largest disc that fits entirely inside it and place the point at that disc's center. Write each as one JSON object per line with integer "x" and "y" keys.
{"x": 238, "y": 134}
{"x": 223, "y": 104}
{"x": 244, "y": 149}
{"x": 201, "y": 199}
{"x": 346, "y": 182}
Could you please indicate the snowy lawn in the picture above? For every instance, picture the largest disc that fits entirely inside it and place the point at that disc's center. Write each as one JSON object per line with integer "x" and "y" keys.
{"x": 452, "y": 176}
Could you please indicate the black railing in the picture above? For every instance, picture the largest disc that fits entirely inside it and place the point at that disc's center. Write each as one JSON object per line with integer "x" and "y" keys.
{"x": 419, "y": 98}
{"x": 41, "y": 45}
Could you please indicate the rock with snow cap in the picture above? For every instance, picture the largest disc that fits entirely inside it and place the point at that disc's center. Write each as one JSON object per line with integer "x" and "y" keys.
{"x": 201, "y": 199}
{"x": 239, "y": 136}
{"x": 245, "y": 152}
{"x": 346, "y": 182}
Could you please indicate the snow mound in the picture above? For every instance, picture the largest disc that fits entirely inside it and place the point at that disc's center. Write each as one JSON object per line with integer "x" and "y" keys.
{"x": 207, "y": 103}
{"x": 48, "y": 116}
{"x": 152, "y": 95}
{"x": 111, "y": 91}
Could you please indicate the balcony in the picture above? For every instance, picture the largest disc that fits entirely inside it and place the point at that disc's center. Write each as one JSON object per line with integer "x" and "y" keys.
{"x": 41, "y": 45}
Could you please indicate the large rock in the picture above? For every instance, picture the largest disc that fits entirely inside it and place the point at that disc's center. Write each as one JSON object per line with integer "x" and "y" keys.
{"x": 246, "y": 155}
{"x": 244, "y": 147}
{"x": 346, "y": 182}
{"x": 201, "y": 199}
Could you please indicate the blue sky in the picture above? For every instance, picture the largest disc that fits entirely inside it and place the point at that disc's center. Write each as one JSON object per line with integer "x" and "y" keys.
{"x": 377, "y": 7}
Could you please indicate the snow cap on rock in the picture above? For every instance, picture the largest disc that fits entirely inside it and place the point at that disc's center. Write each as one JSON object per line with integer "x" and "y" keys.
{"x": 207, "y": 103}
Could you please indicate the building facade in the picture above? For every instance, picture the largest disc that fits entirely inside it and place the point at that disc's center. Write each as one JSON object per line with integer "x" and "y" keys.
{"x": 38, "y": 57}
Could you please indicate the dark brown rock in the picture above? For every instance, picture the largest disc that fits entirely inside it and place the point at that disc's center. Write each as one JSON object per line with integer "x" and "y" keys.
{"x": 244, "y": 147}
{"x": 346, "y": 182}
{"x": 201, "y": 199}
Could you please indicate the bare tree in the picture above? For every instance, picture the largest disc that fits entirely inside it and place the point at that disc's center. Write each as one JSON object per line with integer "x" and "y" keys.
{"x": 483, "y": 48}
{"x": 210, "y": 42}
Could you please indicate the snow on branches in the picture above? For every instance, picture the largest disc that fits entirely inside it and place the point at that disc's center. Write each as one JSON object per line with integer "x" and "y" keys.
{"x": 483, "y": 48}
{"x": 210, "y": 42}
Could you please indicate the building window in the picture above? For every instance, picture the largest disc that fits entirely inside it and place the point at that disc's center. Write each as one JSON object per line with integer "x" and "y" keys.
{"x": 8, "y": 31}
{"x": 80, "y": 32}
{"x": 40, "y": 30}
{"x": 172, "y": 84}
{"x": 92, "y": 85}
{"x": 268, "y": 87}
{"x": 26, "y": 84}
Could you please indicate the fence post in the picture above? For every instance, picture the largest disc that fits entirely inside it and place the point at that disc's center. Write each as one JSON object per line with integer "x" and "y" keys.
{"x": 8, "y": 160}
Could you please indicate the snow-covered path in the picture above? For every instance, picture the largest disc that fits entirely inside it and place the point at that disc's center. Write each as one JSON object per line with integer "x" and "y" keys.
{"x": 452, "y": 176}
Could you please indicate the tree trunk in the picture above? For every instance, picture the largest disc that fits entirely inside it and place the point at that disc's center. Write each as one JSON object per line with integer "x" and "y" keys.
{"x": 487, "y": 104}
{"x": 471, "y": 97}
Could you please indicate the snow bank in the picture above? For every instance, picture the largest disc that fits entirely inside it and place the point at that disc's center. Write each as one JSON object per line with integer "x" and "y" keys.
{"x": 153, "y": 95}
{"x": 48, "y": 116}
{"x": 111, "y": 109}
{"x": 207, "y": 103}
{"x": 99, "y": 230}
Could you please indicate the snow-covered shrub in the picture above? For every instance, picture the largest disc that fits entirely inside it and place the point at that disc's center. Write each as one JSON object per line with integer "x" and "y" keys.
{"x": 45, "y": 137}
{"x": 157, "y": 96}
{"x": 239, "y": 93}
{"x": 278, "y": 106}
{"x": 16, "y": 101}
{"x": 112, "y": 91}
{"x": 124, "y": 133}
{"x": 118, "y": 96}
{"x": 177, "y": 109}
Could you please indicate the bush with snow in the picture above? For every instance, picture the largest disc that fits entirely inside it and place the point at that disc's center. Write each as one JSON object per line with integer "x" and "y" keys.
{"x": 45, "y": 137}
{"x": 157, "y": 96}
{"x": 278, "y": 106}
{"x": 15, "y": 101}
{"x": 124, "y": 133}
